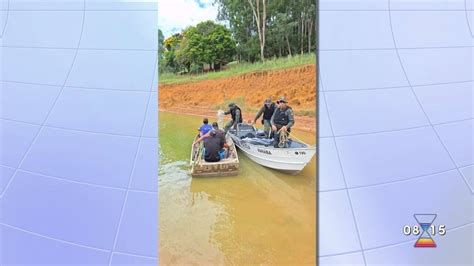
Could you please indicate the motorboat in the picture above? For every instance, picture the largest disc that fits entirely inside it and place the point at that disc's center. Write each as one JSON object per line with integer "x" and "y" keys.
{"x": 292, "y": 157}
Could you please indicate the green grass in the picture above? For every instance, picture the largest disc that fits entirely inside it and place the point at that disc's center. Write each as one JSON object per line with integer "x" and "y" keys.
{"x": 235, "y": 68}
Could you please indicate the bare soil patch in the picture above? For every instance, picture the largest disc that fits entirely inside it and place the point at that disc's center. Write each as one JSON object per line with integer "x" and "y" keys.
{"x": 249, "y": 90}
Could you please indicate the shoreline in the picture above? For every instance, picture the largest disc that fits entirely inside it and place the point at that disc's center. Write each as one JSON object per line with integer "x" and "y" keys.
{"x": 309, "y": 125}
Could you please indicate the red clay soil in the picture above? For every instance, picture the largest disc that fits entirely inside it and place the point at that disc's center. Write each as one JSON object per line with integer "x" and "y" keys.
{"x": 204, "y": 98}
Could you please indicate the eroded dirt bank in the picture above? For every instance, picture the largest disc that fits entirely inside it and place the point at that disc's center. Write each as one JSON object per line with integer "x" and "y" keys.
{"x": 204, "y": 98}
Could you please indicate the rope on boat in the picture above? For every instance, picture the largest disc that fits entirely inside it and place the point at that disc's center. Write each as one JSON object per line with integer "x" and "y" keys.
{"x": 283, "y": 138}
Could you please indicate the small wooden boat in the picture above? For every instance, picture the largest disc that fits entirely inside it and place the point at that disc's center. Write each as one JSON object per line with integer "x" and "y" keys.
{"x": 291, "y": 159}
{"x": 228, "y": 166}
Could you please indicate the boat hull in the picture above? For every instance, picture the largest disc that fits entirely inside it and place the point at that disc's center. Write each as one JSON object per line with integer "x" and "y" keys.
{"x": 290, "y": 160}
{"x": 225, "y": 167}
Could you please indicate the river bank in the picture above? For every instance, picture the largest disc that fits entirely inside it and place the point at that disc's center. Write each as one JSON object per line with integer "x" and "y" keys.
{"x": 307, "y": 124}
{"x": 204, "y": 98}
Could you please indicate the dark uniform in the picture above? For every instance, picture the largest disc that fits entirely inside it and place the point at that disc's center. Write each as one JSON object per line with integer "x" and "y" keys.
{"x": 236, "y": 115}
{"x": 282, "y": 117}
{"x": 267, "y": 110}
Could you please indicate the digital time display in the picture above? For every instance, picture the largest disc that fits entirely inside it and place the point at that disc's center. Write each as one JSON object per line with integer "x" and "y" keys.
{"x": 425, "y": 230}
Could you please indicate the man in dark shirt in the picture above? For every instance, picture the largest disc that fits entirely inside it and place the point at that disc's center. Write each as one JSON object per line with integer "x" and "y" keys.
{"x": 213, "y": 147}
{"x": 236, "y": 115}
{"x": 267, "y": 110}
{"x": 219, "y": 134}
{"x": 282, "y": 120}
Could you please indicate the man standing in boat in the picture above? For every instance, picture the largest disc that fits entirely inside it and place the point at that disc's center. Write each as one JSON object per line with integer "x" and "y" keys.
{"x": 267, "y": 110}
{"x": 282, "y": 121}
{"x": 236, "y": 115}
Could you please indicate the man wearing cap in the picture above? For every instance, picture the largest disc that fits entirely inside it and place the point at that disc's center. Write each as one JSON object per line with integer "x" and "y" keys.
{"x": 236, "y": 115}
{"x": 282, "y": 119}
{"x": 267, "y": 110}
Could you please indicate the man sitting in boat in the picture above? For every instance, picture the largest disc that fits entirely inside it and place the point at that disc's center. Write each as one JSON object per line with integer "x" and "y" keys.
{"x": 220, "y": 134}
{"x": 282, "y": 121}
{"x": 236, "y": 115}
{"x": 205, "y": 127}
{"x": 213, "y": 147}
{"x": 267, "y": 110}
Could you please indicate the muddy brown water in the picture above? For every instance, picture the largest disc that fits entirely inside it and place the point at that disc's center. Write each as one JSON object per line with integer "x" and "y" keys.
{"x": 261, "y": 216}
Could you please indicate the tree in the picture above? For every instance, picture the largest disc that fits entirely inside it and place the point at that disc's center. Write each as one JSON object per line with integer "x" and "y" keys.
{"x": 284, "y": 26}
{"x": 191, "y": 49}
{"x": 263, "y": 28}
{"x": 239, "y": 15}
{"x": 205, "y": 29}
{"x": 207, "y": 42}
{"x": 171, "y": 45}
{"x": 161, "y": 49}
{"x": 221, "y": 46}
{"x": 161, "y": 40}
{"x": 261, "y": 20}
{"x": 311, "y": 25}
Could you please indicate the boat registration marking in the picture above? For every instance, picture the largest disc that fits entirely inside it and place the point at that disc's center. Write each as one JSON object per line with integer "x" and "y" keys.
{"x": 264, "y": 151}
{"x": 245, "y": 145}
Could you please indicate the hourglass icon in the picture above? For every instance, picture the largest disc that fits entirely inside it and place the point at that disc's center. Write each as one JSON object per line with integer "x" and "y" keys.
{"x": 425, "y": 221}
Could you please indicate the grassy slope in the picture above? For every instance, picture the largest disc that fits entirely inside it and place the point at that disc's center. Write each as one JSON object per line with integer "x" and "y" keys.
{"x": 235, "y": 68}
